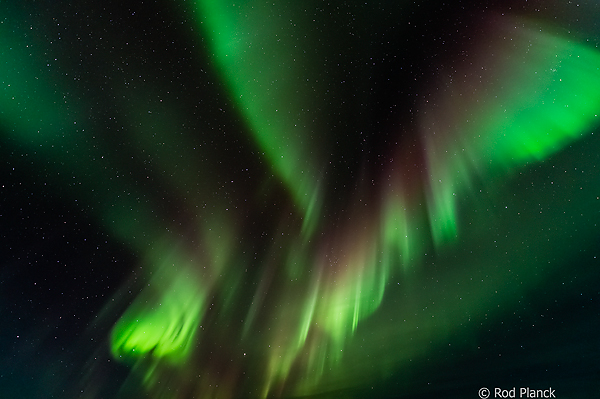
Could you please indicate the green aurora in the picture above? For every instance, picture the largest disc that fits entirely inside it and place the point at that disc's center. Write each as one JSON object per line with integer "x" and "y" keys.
{"x": 323, "y": 287}
{"x": 551, "y": 103}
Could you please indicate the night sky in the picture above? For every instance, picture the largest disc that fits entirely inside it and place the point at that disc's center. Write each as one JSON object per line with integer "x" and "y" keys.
{"x": 299, "y": 199}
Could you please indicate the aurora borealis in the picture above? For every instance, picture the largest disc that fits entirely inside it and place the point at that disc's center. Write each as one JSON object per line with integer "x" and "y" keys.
{"x": 208, "y": 199}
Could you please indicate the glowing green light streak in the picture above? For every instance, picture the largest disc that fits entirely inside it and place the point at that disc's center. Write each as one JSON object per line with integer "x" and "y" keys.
{"x": 398, "y": 241}
{"x": 263, "y": 73}
{"x": 355, "y": 316}
{"x": 162, "y": 321}
{"x": 551, "y": 98}
{"x": 308, "y": 312}
{"x": 353, "y": 292}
